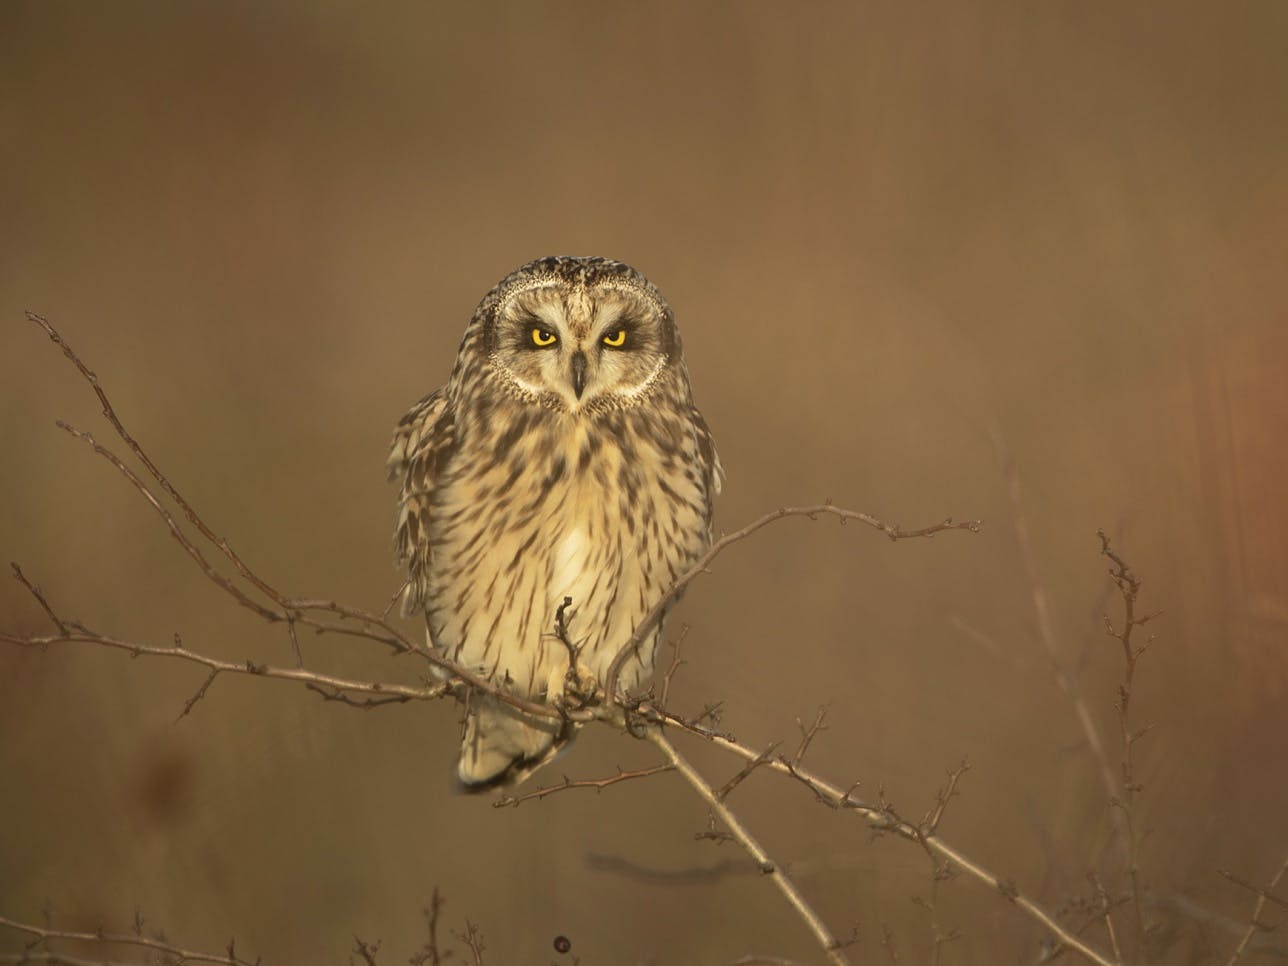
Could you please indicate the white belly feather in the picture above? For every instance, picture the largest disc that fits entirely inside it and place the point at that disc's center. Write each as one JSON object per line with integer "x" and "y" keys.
{"x": 499, "y": 591}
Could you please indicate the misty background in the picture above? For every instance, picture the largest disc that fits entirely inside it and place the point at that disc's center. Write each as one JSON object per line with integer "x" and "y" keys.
{"x": 906, "y": 246}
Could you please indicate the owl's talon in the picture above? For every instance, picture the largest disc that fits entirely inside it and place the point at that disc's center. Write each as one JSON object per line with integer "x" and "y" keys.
{"x": 636, "y": 723}
{"x": 573, "y": 688}
{"x": 581, "y": 683}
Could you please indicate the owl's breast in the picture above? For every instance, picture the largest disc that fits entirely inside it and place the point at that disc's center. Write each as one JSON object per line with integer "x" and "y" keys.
{"x": 566, "y": 512}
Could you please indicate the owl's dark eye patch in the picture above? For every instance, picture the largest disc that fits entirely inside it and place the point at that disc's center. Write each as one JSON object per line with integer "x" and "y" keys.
{"x": 532, "y": 332}
{"x": 624, "y": 333}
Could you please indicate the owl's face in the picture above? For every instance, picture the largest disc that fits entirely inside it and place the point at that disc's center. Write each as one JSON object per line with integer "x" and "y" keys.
{"x": 574, "y": 337}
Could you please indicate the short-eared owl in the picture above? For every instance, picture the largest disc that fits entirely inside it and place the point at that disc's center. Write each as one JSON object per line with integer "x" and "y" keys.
{"x": 563, "y": 459}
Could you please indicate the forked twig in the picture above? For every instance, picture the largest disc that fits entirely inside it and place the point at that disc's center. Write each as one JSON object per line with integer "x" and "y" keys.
{"x": 881, "y": 820}
{"x": 766, "y": 865}
{"x": 1128, "y": 585}
{"x": 1265, "y": 895}
{"x": 568, "y": 783}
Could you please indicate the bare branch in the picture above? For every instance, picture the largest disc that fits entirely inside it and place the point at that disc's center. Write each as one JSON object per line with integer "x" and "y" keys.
{"x": 752, "y": 847}
{"x": 1263, "y": 896}
{"x": 172, "y": 525}
{"x": 596, "y": 783}
{"x": 930, "y": 823}
{"x": 37, "y": 593}
{"x": 1106, "y": 909}
{"x": 429, "y": 954}
{"x": 110, "y": 413}
{"x": 473, "y": 938}
{"x": 746, "y": 770}
{"x": 389, "y": 692}
{"x": 200, "y": 693}
{"x": 1046, "y": 631}
{"x": 45, "y": 934}
{"x": 365, "y": 950}
{"x": 362, "y": 704}
{"x": 650, "y": 620}
{"x": 423, "y": 693}
{"x": 1128, "y": 585}
{"x": 881, "y": 820}
{"x": 676, "y": 663}
{"x": 808, "y": 734}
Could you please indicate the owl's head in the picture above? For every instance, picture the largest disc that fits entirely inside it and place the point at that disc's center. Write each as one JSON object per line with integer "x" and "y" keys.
{"x": 578, "y": 334}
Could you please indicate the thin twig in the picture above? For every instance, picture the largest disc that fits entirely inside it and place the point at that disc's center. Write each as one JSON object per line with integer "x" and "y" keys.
{"x": 292, "y": 610}
{"x": 752, "y": 847}
{"x": 199, "y": 694}
{"x": 723, "y": 792}
{"x": 930, "y": 822}
{"x": 596, "y": 783}
{"x": 1265, "y": 895}
{"x": 473, "y": 938}
{"x": 880, "y": 820}
{"x": 1046, "y": 631}
{"x": 320, "y": 682}
{"x": 650, "y": 620}
{"x": 366, "y": 950}
{"x": 808, "y": 734}
{"x": 429, "y": 954}
{"x": 1128, "y": 585}
{"x": 37, "y": 593}
{"x": 676, "y": 663}
{"x": 217, "y": 666}
{"x": 110, "y": 413}
{"x": 44, "y": 934}
{"x": 1106, "y": 912}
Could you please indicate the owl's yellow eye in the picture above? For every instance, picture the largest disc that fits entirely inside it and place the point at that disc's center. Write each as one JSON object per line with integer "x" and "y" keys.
{"x": 543, "y": 337}
{"x": 616, "y": 340}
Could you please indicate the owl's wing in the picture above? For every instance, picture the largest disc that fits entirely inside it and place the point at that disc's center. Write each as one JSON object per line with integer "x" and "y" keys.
{"x": 423, "y": 440}
{"x": 714, "y": 471}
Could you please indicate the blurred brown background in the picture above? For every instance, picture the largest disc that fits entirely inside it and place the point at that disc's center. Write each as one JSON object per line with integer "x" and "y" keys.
{"x": 903, "y": 246}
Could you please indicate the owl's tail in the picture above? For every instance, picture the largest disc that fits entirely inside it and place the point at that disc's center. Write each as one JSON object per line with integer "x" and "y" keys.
{"x": 502, "y": 748}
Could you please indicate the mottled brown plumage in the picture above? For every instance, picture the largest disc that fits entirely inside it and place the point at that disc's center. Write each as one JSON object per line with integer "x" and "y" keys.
{"x": 564, "y": 458}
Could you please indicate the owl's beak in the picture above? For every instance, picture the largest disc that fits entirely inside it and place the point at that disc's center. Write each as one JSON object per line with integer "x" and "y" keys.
{"x": 578, "y": 372}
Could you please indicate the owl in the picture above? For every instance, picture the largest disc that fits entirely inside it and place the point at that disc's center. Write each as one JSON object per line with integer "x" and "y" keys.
{"x": 563, "y": 461}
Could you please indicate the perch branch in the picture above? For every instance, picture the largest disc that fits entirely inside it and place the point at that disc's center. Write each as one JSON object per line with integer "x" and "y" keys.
{"x": 752, "y": 847}
{"x": 881, "y": 820}
{"x": 358, "y": 623}
{"x": 43, "y": 934}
